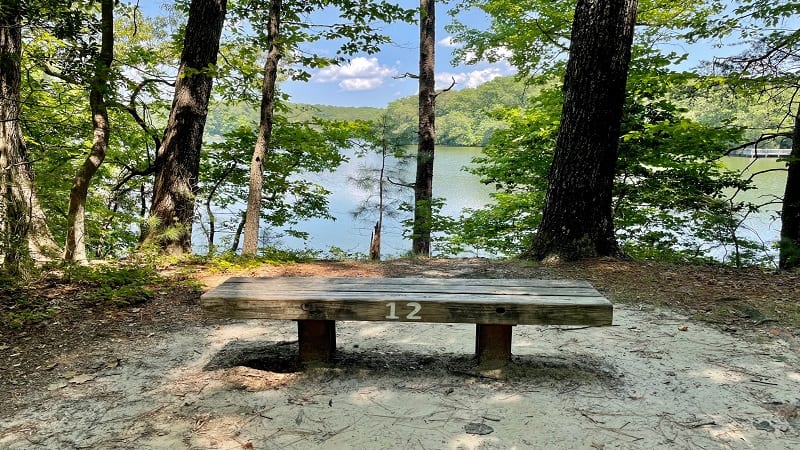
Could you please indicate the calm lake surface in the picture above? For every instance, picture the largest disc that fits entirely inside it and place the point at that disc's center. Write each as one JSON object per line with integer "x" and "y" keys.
{"x": 352, "y": 235}
{"x": 765, "y": 225}
{"x": 462, "y": 190}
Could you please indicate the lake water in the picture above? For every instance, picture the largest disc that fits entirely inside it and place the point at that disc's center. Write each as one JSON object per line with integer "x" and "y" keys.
{"x": 764, "y": 225}
{"x": 461, "y": 190}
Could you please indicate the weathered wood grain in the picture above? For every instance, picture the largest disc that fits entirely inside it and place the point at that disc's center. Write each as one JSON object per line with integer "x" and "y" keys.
{"x": 482, "y": 301}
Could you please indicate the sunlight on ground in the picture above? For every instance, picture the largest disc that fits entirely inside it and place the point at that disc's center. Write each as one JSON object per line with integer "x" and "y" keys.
{"x": 372, "y": 331}
{"x": 372, "y": 396}
{"x": 470, "y": 442}
{"x": 508, "y": 398}
{"x": 731, "y": 432}
{"x": 720, "y": 376}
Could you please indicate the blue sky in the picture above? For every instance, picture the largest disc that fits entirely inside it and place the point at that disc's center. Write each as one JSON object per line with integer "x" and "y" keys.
{"x": 369, "y": 80}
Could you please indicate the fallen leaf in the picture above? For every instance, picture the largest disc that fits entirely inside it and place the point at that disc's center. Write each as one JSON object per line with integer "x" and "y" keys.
{"x": 248, "y": 446}
{"x": 683, "y": 328}
{"x": 57, "y": 386}
{"x": 80, "y": 379}
{"x": 113, "y": 364}
{"x": 478, "y": 428}
{"x": 764, "y": 425}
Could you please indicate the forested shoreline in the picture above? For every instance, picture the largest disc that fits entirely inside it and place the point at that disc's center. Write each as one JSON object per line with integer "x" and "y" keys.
{"x": 122, "y": 130}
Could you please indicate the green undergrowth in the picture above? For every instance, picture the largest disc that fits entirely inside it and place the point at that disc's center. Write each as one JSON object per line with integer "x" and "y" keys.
{"x": 231, "y": 262}
{"x": 57, "y": 288}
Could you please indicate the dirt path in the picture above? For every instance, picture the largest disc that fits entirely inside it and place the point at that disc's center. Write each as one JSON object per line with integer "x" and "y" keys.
{"x": 655, "y": 379}
{"x": 640, "y": 384}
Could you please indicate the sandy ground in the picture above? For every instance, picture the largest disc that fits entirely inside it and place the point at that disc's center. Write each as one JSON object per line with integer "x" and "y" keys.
{"x": 647, "y": 382}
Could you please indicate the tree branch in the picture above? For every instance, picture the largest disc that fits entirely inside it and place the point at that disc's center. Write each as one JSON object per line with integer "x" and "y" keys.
{"x": 762, "y": 138}
{"x": 447, "y": 89}
{"x": 397, "y": 183}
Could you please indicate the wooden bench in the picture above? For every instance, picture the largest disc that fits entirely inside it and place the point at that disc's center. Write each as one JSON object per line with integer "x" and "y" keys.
{"x": 495, "y": 305}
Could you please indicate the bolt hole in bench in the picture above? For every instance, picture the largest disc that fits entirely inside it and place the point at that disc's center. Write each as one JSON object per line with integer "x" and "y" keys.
{"x": 494, "y": 305}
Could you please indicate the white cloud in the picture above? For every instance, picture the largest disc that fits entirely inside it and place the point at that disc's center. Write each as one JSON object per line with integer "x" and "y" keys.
{"x": 448, "y": 42}
{"x": 469, "y": 79}
{"x": 503, "y": 52}
{"x": 361, "y": 74}
{"x": 497, "y": 53}
{"x": 360, "y": 84}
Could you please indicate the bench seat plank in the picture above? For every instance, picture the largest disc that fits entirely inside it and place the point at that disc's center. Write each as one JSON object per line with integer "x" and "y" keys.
{"x": 482, "y": 301}
{"x": 486, "y": 291}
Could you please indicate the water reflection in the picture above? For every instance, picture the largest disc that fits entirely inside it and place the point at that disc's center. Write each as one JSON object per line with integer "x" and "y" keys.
{"x": 461, "y": 189}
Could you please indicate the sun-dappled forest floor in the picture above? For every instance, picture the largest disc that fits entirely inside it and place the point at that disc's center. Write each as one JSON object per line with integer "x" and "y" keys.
{"x": 699, "y": 356}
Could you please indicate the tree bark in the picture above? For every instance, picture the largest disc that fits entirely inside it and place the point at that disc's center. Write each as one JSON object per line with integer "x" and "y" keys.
{"x": 75, "y": 247}
{"x": 375, "y": 242}
{"x": 178, "y": 158}
{"x": 577, "y": 220}
{"x": 789, "y": 257}
{"x": 423, "y": 185}
{"x": 23, "y": 227}
{"x": 256, "y": 185}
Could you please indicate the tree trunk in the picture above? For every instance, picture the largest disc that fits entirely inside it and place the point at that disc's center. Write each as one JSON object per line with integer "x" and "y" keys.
{"x": 423, "y": 184}
{"x": 375, "y": 242}
{"x": 178, "y": 158}
{"x": 577, "y": 220}
{"x": 253, "y": 214}
{"x": 237, "y": 235}
{"x": 75, "y": 248}
{"x": 790, "y": 214}
{"x": 23, "y": 227}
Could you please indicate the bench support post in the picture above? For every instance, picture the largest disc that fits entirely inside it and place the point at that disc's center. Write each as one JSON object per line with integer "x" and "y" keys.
{"x": 493, "y": 343}
{"x": 316, "y": 340}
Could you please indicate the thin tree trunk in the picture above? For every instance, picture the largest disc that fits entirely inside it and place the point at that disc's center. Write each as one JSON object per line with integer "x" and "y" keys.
{"x": 423, "y": 185}
{"x": 790, "y": 213}
{"x": 75, "y": 248}
{"x": 577, "y": 220}
{"x": 24, "y": 230}
{"x": 237, "y": 235}
{"x": 254, "y": 196}
{"x": 375, "y": 244}
{"x": 178, "y": 158}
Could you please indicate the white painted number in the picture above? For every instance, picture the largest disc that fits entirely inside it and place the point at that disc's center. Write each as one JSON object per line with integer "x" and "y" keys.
{"x": 392, "y": 315}
{"x": 413, "y": 315}
{"x": 416, "y": 308}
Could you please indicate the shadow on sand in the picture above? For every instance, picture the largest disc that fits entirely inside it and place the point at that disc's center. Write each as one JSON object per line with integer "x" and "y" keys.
{"x": 281, "y": 357}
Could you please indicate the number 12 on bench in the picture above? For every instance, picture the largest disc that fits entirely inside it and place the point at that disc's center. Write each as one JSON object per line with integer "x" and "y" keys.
{"x": 413, "y": 315}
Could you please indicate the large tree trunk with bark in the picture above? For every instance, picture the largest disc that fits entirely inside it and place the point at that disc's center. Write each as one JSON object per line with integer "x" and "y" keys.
{"x": 75, "y": 248}
{"x": 577, "y": 220}
{"x": 178, "y": 158}
{"x": 790, "y": 214}
{"x": 256, "y": 185}
{"x": 423, "y": 184}
{"x": 23, "y": 230}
